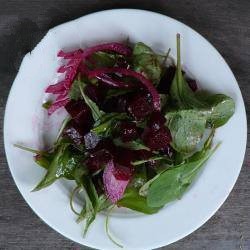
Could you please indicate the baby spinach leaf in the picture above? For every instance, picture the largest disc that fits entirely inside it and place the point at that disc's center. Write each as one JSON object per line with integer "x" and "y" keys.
{"x": 103, "y": 59}
{"x": 117, "y": 92}
{"x": 221, "y": 110}
{"x": 146, "y": 61}
{"x": 107, "y": 123}
{"x": 181, "y": 95}
{"x": 172, "y": 183}
{"x": 187, "y": 128}
{"x": 63, "y": 164}
{"x": 133, "y": 145}
{"x": 134, "y": 201}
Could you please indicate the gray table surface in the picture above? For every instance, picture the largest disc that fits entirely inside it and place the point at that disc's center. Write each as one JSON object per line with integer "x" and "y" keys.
{"x": 225, "y": 23}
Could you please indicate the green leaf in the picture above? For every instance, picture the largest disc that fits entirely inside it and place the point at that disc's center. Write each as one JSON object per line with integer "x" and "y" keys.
{"x": 221, "y": 110}
{"x": 63, "y": 164}
{"x": 96, "y": 112}
{"x": 187, "y": 128}
{"x": 107, "y": 123}
{"x": 132, "y": 200}
{"x": 117, "y": 92}
{"x": 91, "y": 205}
{"x": 133, "y": 145}
{"x": 146, "y": 61}
{"x": 140, "y": 162}
{"x": 181, "y": 95}
{"x": 172, "y": 183}
{"x": 103, "y": 59}
{"x": 47, "y": 104}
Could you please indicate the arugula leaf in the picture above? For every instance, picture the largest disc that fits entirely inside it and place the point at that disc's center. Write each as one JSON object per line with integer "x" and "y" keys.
{"x": 172, "y": 183}
{"x": 187, "y": 128}
{"x": 181, "y": 95}
{"x": 146, "y": 61}
{"x": 63, "y": 164}
{"x": 107, "y": 123}
{"x": 133, "y": 145}
{"x": 132, "y": 200}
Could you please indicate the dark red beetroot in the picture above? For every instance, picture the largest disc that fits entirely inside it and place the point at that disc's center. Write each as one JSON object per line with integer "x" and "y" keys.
{"x": 98, "y": 160}
{"x": 156, "y": 139}
{"x": 80, "y": 113}
{"x": 95, "y": 93}
{"x": 140, "y": 106}
{"x": 116, "y": 104}
{"x": 91, "y": 140}
{"x": 128, "y": 131}
{"x": 144, "y": 82}
{"x": 74, "y": 132}
{"x": 156, "y": 120}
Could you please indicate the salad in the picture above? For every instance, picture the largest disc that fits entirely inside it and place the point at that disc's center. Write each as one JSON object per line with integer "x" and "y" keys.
{"x": 138, "y": 129}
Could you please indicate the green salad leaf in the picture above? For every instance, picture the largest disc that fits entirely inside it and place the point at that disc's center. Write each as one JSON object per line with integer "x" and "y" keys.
{"x": 107, "y": 123}
{"x": 134, "y": 201}
{"x": 146, "y": 61}
{"x": 187, "y": 128}
{"x": 63, "y": 164}
{"x": 182, "y": 97}
{"x": 172, "y": 183}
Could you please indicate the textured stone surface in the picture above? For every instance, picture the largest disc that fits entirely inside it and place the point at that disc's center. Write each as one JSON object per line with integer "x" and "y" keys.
{"x": 225, "y": 23}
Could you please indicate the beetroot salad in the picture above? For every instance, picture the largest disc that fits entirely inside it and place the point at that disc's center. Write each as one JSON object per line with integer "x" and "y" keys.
{"x": 138, "y": 129}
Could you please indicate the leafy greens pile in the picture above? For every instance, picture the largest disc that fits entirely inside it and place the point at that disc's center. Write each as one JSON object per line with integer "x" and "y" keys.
{"x": 138, "y": 130}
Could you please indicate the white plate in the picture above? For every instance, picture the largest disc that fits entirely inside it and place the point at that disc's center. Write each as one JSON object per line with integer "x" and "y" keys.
{"x": 27, "y": 122}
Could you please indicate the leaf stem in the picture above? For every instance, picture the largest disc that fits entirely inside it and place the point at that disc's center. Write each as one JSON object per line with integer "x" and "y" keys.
{"x": 107, "y": 227}
{"x": 77, "y": 188}
{"x": 35, "y": 151}
{"x": 178, "y": 41}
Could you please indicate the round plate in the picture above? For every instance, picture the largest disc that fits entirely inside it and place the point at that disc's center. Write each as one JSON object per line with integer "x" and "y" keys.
{"x": 26, "y": 122}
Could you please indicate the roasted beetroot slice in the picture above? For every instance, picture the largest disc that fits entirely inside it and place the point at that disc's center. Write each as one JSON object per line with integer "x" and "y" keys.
{"x": 128, "y": 131}
{"x": 140, "y": 106}
{"x": 95, "y": 93}
{"x": 156, "y": 140}
{"x": 123, "y": 173}
{"x": 147, "y": 84}
{"x": 74, "y": 133}
{"x": 156, "y": 120}
{"x": 192, "y": 84}
{"x": 98, "y": 160}
{"x": 166, "y": 80}
{"x": 115, "y": 188}
{"x": 116, "y": 104}
{"x": 75, "y": 108}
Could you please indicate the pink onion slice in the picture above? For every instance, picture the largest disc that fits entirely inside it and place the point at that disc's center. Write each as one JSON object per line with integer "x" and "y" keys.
{"x": 114, "y": 188}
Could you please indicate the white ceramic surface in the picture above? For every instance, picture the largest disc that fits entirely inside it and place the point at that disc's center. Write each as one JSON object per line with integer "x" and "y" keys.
{"x": 26, "y": 122}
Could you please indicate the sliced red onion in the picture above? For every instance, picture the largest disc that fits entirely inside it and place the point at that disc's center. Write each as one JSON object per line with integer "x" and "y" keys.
{"x": 111, "y": 82}
{"x": 114, "y": 47}
{"x": 57, "y": 88}
{"x": 56, "y": 105}
{"x": 114, "y": 188}
{"x": 127, "y": 72}
{"x": 69, "y": 55}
